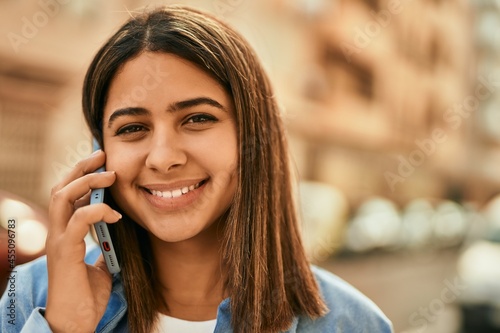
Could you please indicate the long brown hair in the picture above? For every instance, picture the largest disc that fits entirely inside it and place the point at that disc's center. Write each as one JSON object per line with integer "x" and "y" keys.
{"x": 269, "y": 278}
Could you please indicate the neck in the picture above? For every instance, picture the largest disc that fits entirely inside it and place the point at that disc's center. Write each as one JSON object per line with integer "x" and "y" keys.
{"x": 190, "y": 276}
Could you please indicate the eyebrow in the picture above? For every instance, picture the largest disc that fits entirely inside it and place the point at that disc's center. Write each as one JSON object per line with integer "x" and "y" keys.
{"x": 174, "y": 107}
{"x": 189, "y": 103}
{"x": 135, "y": 111}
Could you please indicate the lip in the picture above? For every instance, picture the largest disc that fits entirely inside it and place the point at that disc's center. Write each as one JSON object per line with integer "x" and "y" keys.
{"x": 174, "y": 203}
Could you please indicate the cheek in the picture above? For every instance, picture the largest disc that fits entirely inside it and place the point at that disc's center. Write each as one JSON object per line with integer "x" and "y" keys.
{"x": 126, "y": 169}
{"x": 221, "y": 150}
{"x": 125, "y": 163}
{"x": 219, "y": 163}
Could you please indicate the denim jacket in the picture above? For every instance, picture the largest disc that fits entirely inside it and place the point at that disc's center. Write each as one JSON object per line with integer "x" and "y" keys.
{"x": 22, "y": 305}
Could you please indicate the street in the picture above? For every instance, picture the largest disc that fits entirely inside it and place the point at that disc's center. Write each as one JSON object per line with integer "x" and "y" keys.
{"x": 415, "y": 290}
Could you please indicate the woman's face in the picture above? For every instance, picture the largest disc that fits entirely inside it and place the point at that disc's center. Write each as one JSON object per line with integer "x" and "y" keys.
{"x": 170, "y": 135}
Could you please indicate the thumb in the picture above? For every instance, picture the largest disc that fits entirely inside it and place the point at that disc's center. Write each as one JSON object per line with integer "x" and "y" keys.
{"x": 100, "y": 264}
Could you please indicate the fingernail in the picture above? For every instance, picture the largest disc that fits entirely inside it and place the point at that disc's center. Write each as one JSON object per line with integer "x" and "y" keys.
{"x": 118, "y": 215}
{"x": 96, "y": 152}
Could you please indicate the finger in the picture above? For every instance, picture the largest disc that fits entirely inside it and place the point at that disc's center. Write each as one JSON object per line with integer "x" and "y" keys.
{"x": 83, "y": 167}
{"x": 83, "y": 201}
{"x": 78, "y": 225}
{"x": 63, "y": 201}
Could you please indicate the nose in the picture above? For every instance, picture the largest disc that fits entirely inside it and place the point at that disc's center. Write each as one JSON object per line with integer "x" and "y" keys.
{"x": 165, "y": 152}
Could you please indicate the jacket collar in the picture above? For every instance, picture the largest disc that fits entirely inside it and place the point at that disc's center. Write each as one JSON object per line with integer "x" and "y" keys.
{"x": 114, "y": 316}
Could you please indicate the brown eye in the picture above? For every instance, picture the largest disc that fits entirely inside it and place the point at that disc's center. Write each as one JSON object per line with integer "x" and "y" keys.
{"x": 130, "y": 129}
{"x": 201, "y": 118}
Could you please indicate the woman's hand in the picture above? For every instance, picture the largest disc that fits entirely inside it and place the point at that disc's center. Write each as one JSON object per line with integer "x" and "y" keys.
{"x": 78, "y": 293}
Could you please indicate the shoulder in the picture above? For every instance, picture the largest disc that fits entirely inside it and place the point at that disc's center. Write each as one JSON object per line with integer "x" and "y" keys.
{"x": 26, "y": 292}
{"x": 30, "y": 280}
{"x": 348, "y": 309}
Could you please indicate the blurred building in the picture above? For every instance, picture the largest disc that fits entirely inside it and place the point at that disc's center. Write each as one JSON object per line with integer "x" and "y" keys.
{"x": 44, "y": 49}
{"x": 379, "y": 96}
{"x": 485, "y": 155}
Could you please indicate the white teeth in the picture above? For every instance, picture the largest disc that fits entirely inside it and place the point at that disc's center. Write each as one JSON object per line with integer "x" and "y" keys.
{"x": 175, "y": 193}
{"x": 157, "y": 193}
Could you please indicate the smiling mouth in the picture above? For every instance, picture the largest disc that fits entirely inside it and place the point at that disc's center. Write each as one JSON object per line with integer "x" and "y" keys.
{"x": 177, "y": 192}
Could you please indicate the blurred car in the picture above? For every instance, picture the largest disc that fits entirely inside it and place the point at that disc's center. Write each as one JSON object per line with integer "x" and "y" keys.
{"x": 479, "y": 269}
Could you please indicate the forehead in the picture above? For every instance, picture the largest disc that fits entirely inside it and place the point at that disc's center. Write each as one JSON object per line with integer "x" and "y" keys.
{"x": 155, "y": 78}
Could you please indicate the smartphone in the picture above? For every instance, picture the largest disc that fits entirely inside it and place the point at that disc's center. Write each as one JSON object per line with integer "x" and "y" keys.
{"x": 101, "y": 228}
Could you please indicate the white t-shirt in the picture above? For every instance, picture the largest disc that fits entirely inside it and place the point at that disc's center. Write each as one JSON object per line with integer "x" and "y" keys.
{"x": 175, "y": 325}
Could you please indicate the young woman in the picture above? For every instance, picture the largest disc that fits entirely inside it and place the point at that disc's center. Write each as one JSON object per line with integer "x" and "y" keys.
{"x": 200, "y": 200}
